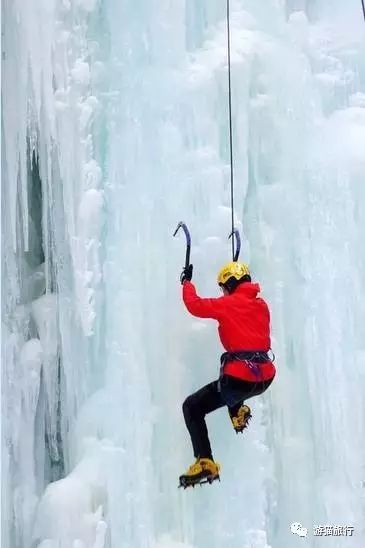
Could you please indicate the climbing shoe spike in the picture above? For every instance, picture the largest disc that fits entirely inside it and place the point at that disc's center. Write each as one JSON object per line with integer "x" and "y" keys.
{"x": 241, "y": 419}
{"x": 204, "y": 470}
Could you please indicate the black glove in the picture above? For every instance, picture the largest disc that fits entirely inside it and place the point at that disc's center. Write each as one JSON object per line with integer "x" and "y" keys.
{"x": 186, "y": 274}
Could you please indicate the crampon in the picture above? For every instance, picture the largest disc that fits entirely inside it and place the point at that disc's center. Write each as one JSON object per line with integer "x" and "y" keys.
{"x": 190, "y": 482}
{"x": 241, "y": 420}
{"x": 202, "y": 471}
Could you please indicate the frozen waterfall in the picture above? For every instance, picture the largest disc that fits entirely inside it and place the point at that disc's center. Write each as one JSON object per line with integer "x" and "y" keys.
{"x": 114, "y": 128}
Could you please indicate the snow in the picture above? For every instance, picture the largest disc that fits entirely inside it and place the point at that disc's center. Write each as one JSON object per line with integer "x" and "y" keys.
{"x": 124, "y": 106}
{"x": 71, "y": 509}
{"x": 357, "y": 100}
{"x": 81, "y": 72}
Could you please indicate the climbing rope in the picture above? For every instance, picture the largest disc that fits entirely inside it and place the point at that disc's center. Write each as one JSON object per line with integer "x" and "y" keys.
{"x": 230, "y": 122}
{"x": 363, "y": 7}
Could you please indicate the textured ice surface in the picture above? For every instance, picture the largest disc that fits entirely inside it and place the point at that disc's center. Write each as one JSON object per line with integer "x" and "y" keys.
{"x": 115, "y": 128}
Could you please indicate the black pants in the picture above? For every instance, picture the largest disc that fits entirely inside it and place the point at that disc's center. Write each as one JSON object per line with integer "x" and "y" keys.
{"x": 227, "y": 391}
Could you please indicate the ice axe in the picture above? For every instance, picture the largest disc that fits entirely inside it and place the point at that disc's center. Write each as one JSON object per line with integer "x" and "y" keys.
{"x": 238, "y": 244}
{"x": 188, "y": 241}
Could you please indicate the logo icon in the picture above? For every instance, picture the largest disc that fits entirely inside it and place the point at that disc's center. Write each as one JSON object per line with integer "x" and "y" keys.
{"x": 297, "y": 529}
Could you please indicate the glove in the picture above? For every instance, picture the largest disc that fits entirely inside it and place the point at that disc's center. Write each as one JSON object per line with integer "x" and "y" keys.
{"x": 186, "y": 274}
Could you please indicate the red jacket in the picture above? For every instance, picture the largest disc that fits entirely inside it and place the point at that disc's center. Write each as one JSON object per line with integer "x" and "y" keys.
{"x": 244, "y": 324}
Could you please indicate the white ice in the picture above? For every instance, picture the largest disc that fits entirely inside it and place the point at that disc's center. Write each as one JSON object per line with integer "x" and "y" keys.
{"x": 114, "y": 125}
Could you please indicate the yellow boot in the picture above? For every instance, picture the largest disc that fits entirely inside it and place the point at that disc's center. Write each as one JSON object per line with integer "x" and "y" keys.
{"x": 204, "y": 470}
{"x": 240, "y": 421}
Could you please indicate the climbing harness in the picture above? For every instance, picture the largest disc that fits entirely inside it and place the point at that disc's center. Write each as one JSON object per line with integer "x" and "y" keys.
{"x": 230, "y": 123}
{"x": 255, "y": 356}
{"x": 252, "y": 358}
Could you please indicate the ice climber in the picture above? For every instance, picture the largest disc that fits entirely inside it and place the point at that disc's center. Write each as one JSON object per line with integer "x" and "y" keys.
{"x": 246, "y": 369}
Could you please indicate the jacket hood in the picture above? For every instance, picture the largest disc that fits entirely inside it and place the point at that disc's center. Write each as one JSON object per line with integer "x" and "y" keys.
{"x": 248, "y": 288}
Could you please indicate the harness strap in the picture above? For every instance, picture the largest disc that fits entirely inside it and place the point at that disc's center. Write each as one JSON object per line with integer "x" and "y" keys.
{"x": 256, "y": 356}
{"x": 252, "y": 358}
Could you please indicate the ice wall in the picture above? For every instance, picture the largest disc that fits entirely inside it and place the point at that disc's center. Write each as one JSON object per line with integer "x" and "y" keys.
{"x": 52, "y": 206}
{"x": 114, "y": 128}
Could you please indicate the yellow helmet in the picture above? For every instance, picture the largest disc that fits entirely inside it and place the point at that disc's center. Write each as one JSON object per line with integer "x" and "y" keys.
{"x": 232, "y": 270}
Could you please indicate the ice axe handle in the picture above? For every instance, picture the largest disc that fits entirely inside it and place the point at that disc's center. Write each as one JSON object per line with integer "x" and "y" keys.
{"x": 238, "y": 243}
{"x": 188, "y": 241}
